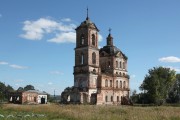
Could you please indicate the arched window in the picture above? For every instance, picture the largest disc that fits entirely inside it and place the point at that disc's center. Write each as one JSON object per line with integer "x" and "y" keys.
{"x": 124, "y": 84}
{"x": 120, "y": 84}
{"x": 106, "y": 98}
{"x": 95, "y": 81}
{"x": 116, "y": 64}
{"x": 82, "y": 39}
{"x": 106, "y": 83}
{"x": 117, "y": 98}
{"x": 116, "y": 83}
{"x": 109, "y": 64}
{"x": 111, "y": 98}
{"x": 110, "y": 83}
{"x": 123, "y": 65}
{"x": 93, "y": 39}
{"x": 120, "y": 74}
{"x": 94, "y": 58}
{"x": 120, "y": 64}
{"x": 82, "y": 59}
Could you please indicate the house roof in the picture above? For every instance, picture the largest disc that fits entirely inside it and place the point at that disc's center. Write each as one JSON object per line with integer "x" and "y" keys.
{"x": 37, "y": 91}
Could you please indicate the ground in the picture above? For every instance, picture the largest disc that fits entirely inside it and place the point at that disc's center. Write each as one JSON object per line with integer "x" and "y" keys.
{"x": 87, "y": 112}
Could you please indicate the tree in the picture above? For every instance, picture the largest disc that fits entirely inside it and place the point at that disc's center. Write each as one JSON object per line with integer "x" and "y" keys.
{"x": 20, "y": 89}
{"x": 4, "y": 91}
{"x": 157, "y": 84}
{"x": 28, "y": 87}
{"x": 134, "y": 97}
{"x": 174, "y": 94}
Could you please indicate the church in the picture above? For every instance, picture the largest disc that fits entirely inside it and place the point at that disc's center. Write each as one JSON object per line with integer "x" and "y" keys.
{"x": 100, "y": 75}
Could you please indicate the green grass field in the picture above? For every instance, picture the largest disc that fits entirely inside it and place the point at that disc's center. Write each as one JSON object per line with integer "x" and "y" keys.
{"x": 87, "y": 112}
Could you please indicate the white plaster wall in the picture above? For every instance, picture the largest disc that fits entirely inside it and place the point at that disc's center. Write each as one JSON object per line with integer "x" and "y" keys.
{"x": 42, "y": 96}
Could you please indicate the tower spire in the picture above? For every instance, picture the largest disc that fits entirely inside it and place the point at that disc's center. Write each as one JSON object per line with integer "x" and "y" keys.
{"x": 109, "y": 31}
{"x": 87, "y": 18}
{"x": 110, "y": 38}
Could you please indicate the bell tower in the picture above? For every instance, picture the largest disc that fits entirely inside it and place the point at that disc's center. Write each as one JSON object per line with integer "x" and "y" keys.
{"x": 86, "y": 67}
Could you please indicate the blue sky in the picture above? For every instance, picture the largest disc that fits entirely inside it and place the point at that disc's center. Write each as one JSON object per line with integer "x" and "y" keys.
{"x": 37, "y": 38}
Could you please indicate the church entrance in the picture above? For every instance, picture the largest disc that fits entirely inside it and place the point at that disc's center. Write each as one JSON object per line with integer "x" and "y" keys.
{"x": 84, "y": 98}
{"x": 93, "y": 98}
{"x": 42, "y": 100}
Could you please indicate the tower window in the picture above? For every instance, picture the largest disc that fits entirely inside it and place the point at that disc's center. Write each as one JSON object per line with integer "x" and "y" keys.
{"x": 94, "y": 58}
{"x": 116, "y": 64}
{"x": 124, "y": 84}
{"x": 111, "y": 98}
{"x": 120, "y": 84}
{"x": 109, "y": 64}
{"x": 110, "y": 83}
{"x": 82, "y": 39}
{"x": 123, "y": 65}
{"x": 117, "y": 98}
{"x": 120, "y": 74}
{"x": 106, "y": 83}
{"x": 116, "y": 83}
{"x": 120, "y": 64}
{"x": 93, "y": 39}
{"x": 106, "y": 98}
{"x": 82, "y": 59}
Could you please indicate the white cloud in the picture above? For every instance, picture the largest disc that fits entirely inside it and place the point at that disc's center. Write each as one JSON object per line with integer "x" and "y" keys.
{"x": 57, "y": 73}
{"x": 3, "y": 63}
{"x": 177, "y": 69}
{"x": 60, "y": 32}
{"x": 64, "y": 37}
{"x": 171, "y": 59}
{"x": 66, "y": 20}
{"x": 132, "y": 76}
{"x": 100, "y": 37}
{"x": 36, "y": 30}
{"x": 18, "y": 80}
{"x": 50, "y": 83}
{"x": 18, "y": 66}
{"x": 17, "y": 84}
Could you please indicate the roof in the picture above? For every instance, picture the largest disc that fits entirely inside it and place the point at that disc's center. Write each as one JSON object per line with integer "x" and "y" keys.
{"x": 37, "y": 91}
{"x": 87, "y": 23}
{"x": 112, "y": 50}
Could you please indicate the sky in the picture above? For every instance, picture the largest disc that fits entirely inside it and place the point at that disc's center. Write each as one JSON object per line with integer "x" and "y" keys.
{"x": 37, "y": 38}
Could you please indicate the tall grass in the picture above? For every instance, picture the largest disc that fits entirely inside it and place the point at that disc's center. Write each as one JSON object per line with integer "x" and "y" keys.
{"x": 91, "y": 112}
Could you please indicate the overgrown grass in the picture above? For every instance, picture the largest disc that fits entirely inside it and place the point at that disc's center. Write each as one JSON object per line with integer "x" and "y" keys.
{"x": 87, "y": 112}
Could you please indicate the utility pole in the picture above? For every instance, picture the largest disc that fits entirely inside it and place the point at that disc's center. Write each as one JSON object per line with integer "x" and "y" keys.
{"x": 54, "y": 96}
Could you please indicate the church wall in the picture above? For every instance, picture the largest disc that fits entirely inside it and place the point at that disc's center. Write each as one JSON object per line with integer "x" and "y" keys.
{"x": 81, "y": 80}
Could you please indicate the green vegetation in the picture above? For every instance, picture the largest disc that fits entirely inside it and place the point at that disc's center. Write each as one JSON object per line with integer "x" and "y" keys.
{"x": 4, "y": 91}
{"x": 161, "y": 85}
{"x": 87, "y": 112}
{"x": 26, "y": 88}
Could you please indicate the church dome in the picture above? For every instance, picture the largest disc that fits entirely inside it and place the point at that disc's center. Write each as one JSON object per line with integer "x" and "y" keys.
{"x": 112, "y": 51}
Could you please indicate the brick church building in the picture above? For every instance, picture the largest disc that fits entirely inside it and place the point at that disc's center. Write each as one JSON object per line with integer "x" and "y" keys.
{"x": 100, "y": 75}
